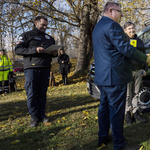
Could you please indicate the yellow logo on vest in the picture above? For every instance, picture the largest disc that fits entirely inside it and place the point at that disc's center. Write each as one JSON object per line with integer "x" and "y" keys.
{"x": 33, "y": 64}
{"x": 133, "y": 43}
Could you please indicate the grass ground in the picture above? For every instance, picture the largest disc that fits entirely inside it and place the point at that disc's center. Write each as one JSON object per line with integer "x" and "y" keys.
{"x": 73, "y": 115}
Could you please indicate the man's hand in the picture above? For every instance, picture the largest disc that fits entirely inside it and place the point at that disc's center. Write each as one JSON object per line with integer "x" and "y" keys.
{"x": 148, "y": 59}
{"x": 54, "y": 53}
{"x": 40, "y": 50}
{"x": 143, "y": 73}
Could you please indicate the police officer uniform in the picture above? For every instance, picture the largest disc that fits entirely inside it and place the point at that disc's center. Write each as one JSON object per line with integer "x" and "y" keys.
{"x": 36, "y": 69}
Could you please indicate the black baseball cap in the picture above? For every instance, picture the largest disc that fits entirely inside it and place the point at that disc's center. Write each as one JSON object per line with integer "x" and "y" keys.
{"x": 2, "y": 50}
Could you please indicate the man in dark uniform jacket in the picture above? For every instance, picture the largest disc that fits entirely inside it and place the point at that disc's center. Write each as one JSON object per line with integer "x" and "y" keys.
{"x": 113, "y": 70}
{"x": 32, "y": 46}
{"x": 138, "y": 70}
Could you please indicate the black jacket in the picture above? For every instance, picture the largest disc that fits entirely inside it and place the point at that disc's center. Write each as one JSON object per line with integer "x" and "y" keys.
{"x": 135, "y": 64}
{"x": 63, "y": 67}
{"x": 27, "y": 44}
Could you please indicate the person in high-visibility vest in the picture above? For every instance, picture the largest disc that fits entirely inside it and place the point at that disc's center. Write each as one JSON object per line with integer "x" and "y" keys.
{"x": 5, "y": 70}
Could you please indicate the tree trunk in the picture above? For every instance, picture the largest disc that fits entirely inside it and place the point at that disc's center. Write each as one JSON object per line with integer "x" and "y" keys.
{"x": 93, "y": 20}
{"x": 84, "y": 33}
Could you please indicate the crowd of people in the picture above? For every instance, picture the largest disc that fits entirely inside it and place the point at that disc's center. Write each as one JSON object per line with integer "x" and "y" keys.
{"x": 116, "y": 58}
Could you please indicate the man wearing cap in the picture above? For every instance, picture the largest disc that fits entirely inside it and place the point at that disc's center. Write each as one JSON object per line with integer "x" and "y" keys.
{"x": 5, "y": 70}
{"x": 32, "y": 46}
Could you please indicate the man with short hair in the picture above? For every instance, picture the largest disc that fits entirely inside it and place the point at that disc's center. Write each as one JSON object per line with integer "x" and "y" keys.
{"x": 138, "y": 70}
{"x": 113, "y": 70}
{"x": 32, "y": 46}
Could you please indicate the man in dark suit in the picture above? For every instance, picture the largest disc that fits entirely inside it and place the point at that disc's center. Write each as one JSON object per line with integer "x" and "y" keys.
{"x": 113, "y": 56}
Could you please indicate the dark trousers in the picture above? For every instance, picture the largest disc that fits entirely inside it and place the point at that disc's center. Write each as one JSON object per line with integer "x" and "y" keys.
{"x": 111, "y": 114}
{"x": 36, "y": 83}
{"x": 6, "y": 86}
{"x": 64, "y": 78}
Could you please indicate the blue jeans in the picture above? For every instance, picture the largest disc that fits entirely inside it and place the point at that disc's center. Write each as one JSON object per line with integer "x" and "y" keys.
{"x": 111, "y": 114}
{"x": 36, "y": 83}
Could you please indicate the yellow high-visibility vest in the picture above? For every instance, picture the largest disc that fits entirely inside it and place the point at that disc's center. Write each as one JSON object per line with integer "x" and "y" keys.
{"x": 5, "y": 63}
{"x": 5, "y": 67}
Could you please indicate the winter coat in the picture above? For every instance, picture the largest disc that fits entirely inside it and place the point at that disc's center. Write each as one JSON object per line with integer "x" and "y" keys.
{"x": 113, "y": 54}
{"x": 27, "y": 45}
{"x": 5, "y": 67}
{"x": 135, "y": 64}
{"x": 63, "y": 67}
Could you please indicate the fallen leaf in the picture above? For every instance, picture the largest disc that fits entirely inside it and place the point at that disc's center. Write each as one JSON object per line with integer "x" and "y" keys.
{"x": 15, "y": 132}
{"x": 141, "y": 147}
{"x": 68, "y": 128}
{"x": 85, "y": 118}
{"x": 47, "y": 124}
{"x": 103, "y": 145}
{"x": 63, "y": 118}
{"x": 52, "y": 134}
{"x": 21, "y": 122}
{"x": 2, "y": 126}
{"x": 14, "y": 142}
{"x": 83, "y": 124}
{"x": 96, "y": 118}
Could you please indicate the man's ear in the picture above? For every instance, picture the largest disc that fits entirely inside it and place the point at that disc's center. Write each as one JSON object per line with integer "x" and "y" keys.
{"x": 110, "y": 10}
{"x": 35, "y": 22}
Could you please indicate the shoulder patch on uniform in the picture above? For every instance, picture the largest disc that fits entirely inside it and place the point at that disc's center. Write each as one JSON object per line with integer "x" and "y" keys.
{"x": 20, "y": 40}
{"x": 46, "y": 36}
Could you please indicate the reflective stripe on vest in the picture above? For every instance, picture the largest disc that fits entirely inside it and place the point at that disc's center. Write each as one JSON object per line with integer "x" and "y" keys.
{"x": 5, "y": 63}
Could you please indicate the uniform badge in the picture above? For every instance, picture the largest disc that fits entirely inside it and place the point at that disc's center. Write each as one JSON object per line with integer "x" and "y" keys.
{"x": 46, "y": 36}
{"x": 20, "y": 40}
{"x": 133, "y": 43}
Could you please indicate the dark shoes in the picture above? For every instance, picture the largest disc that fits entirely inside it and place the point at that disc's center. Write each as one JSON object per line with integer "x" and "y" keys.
{"x": 138, "y": 117}
{"x": 34, "y": 122}
{"x": 107, "y": 140}
{"x": 129, "y": 147}
{"x": 128, "y": 118}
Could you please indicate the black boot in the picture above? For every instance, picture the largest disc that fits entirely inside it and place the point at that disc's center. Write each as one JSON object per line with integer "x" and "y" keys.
{"x": 129, "y": 147}
{"x": 65, "y": 80}
{"x": 107, "y": 140}
{"x": 138, "y": 117}
{"x": 128, "y": 118}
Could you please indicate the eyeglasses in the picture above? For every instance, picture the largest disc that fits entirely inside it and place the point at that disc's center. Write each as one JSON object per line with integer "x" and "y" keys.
{"x": 118, "y": 10}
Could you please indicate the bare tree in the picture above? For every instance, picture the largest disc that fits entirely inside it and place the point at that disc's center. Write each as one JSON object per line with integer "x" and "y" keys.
{"x": 70, "y": 15}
